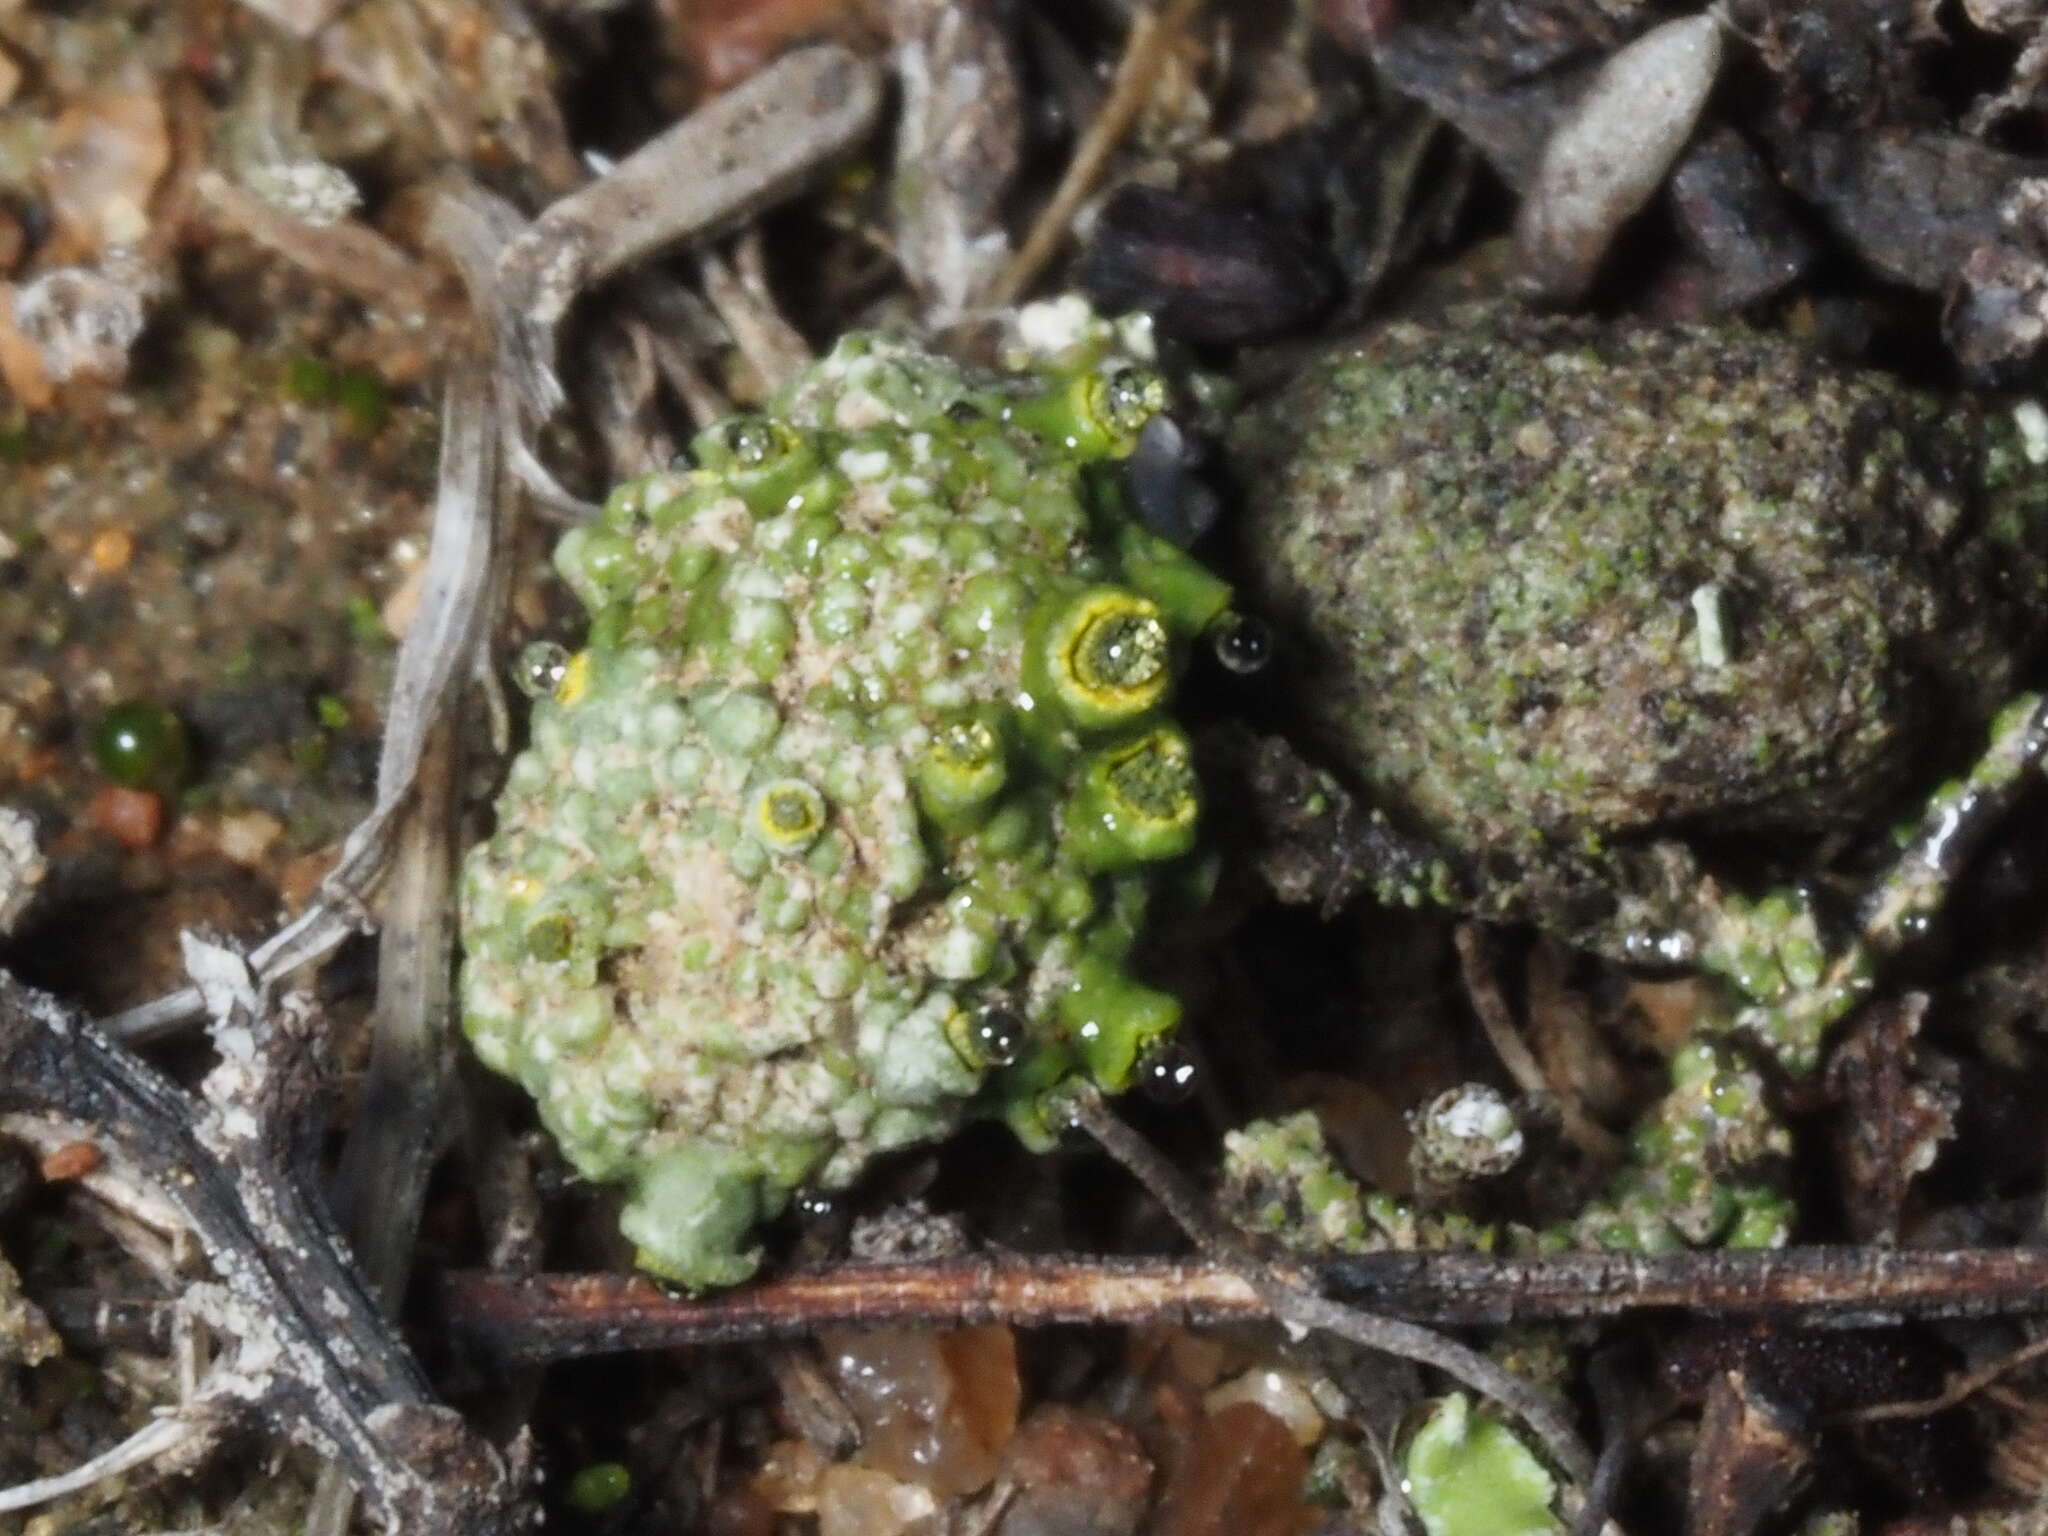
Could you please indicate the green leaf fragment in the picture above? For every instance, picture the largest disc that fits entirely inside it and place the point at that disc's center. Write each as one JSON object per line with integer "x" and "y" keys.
{"x": 1468, "y": 1474}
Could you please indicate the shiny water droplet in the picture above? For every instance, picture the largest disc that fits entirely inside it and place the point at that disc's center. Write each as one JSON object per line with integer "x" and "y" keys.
{"x": 750, "y": 441}
{"x": 1243, "y": 644}
{"x": 1060, "y": 1107}
{"x": 999, "y": 1035}
{"x": 1168, "y": 1075}
{"x": 539, "y": 668}
{"x": 1671, "y": 947}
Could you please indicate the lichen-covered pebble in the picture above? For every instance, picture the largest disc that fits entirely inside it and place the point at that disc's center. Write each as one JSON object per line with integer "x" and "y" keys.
{"x": 843, "y": 824}
{"x": 1556, "y": 587}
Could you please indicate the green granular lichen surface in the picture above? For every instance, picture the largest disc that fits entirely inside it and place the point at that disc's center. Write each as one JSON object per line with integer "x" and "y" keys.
{"x": 869, "y": 739}
{"x": 1555, "y": 583}
{"x": 1703, "y": 1168}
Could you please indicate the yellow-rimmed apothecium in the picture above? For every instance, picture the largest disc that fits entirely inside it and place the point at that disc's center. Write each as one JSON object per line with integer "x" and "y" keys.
{"x": 788, "y": 815}
{"x": 1096, "y": 412}
{"x": 963, "y": 770}
{"x": 1137, "y": 801}
{"x": 1105, "y": 657}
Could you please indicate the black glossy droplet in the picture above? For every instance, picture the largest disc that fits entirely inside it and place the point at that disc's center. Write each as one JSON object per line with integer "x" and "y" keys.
{"x": 999, "y": 1035}
{"x": 1167, "y": 1075}
{"x": 539, "y": 668}
{"x": 1243, "y": 644}
{"x": 1164, "y": 475}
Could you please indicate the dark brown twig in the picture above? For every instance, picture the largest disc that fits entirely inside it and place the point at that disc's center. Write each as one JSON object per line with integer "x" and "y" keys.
{"x": 1301, "y": 1305}
{"x": 565, "y": 1316}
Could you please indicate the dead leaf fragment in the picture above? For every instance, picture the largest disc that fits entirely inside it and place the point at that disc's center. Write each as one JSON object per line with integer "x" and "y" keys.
{"x": 1894, "y": 1116}
{"x": 1751, "y": 1453}
{"x": 106, "y": 156}
{"x": 1611, "y": 153}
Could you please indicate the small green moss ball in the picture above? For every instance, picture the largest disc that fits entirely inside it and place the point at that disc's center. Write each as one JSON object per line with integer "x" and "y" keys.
{"x": 143, "y": 746}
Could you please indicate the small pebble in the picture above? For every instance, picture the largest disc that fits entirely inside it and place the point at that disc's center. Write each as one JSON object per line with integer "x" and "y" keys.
{"x": 935, "y": 1408}
{"x": 247, "y": 837}
{"x": 104, "y": 158}
{"x": 1076, "y": 1474}
{"x": 134, "y": 818}
{"x": 789, "y": 1475}
{"x": 860, "y": 1501}
{"x": 73, "y": 1160}
{"x": 1281, "y": 1393}
{"x": 1240, "y": 1476}
{"x": 1611, "y": 153}
{"x": 111, "y": 550}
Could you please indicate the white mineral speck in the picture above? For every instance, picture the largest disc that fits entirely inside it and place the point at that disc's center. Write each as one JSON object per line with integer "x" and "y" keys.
{"x": 2033, "y": 424}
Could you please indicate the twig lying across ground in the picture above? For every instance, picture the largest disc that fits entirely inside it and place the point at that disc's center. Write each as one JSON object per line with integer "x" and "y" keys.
{"x": 566, "y": 1316}
{"x": 308, "y": 1351}
{"x": 348, "y": 254}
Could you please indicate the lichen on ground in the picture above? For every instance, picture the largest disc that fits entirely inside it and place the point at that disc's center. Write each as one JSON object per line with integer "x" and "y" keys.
{"x": 844, "y": 823}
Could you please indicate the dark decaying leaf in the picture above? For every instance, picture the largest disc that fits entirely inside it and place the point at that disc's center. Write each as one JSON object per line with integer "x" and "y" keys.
{"x": 1751, "y": 1453}
{"x": 1505, "y": 116}
{"x": 1825, "y": 1374}
{"x": 1207, "y": 273}
{"x": 1893, "y": 1117}
{"x": 1735, "y": 218}
{"x": 1840, "y": 61}
{"x": 1912, "y": 206}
